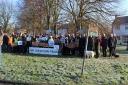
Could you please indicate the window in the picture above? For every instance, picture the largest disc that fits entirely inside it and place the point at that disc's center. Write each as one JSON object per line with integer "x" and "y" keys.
{"x": 125, "y": 39}
{"x": 126, "y": 27}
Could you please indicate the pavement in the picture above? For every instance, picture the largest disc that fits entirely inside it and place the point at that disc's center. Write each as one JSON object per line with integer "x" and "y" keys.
{"x": 121, "y": 50}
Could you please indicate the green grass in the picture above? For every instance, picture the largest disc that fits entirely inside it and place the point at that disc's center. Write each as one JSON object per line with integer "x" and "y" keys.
{"x": 64, "y": 71}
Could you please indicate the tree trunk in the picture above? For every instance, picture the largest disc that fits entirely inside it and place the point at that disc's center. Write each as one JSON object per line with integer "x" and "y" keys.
{"x": 48, "y": 21}
{"x": 55, "y": 30}
{"x": 77, "y": 25}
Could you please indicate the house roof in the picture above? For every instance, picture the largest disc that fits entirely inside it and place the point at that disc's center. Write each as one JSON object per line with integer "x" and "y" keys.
{"x": 121, "y": 20}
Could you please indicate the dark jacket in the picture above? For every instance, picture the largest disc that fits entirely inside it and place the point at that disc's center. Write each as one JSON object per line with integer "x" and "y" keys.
{"x": 82, "y": 42}
{"x": 90, "y": 44}
{"x": 24, "y": 40}
{"x": 5, "y": 40}
{"x": 104, "y": 42}
{"x": 96, "y": 43}
{"x": 112, "y": 41}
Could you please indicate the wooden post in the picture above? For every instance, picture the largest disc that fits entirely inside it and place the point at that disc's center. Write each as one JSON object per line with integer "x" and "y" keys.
{"x": 0, "y": 57}
{"x": 86, "y": 45}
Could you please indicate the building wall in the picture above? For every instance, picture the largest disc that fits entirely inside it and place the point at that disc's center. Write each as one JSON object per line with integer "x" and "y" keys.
{"x": 93, "y": 30}
{"x": 122, "y": 34}
{"x": 121, "y": 30}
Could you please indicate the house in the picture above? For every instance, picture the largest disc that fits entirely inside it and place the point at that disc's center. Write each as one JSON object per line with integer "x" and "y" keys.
{"x": 94, "y": 29}
{"x": 120, "y": 28}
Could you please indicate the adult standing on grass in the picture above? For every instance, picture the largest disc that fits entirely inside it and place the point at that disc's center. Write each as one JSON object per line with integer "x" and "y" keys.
{"x": 23, "y": 38}
{"x": 112, "y": 41}
{"x": 28, "y": 42}
{"x": 90, "y": 43}
{"x": 82, "y": 43}
{"x": 15, "y": 46}
{"x": 97, "y": 46}
{"x": 62, "y": 40}
{"x": 5, "y": 42}
{"x": 10, "y": 43}
{"x": 77, "y": 44}
{"x": 104, "y": 44}
{"x": 115, "y": 43}
{"x": 72, "y": 44}
{"x": 51, "y": 42}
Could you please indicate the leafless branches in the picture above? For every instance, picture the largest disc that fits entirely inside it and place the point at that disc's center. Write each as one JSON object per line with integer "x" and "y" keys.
{"x": 6, "y": 12}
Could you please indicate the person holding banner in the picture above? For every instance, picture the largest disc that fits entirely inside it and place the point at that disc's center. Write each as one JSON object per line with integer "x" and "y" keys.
{"x": 51, "y": 42}
{"x": 15, "y": 46}
{"x": 20, "y": 45}
{"x": 28, "y": 42}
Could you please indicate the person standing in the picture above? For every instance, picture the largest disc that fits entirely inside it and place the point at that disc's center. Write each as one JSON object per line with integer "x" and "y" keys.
{"x": 72, "y": 45}
{"x": 90, "y": 43}
{"x": 20, "y": 44}
{"x": 77, "y": 44}
{"x": 115, "y": 43}
{"x": 97, "y": 46}
{"x": 104, "y": 44}
{"x": 112, "y": 41}
{"x": 62, "y": 47}
{"x": 82, "y": 43}
{"x": 65, "y": 47}
{"x": 23, "y": 38}
{"x": 10, "y": 43}
{"x": 51, "y": 42}
{"x": 5, "y": 43}
{"x": 15, "y": 46}
{"x": 28, "y": 42}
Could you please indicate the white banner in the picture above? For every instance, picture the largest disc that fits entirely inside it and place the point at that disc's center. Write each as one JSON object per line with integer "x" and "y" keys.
{"x": 44, "y": 51}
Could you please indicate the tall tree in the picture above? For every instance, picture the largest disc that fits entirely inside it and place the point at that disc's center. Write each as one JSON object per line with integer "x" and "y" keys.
{"x": 32, "y": 15}
{"x": 6, "y": 13}
{"x": 40, "y": 13}
{"x": 88, "y": 10}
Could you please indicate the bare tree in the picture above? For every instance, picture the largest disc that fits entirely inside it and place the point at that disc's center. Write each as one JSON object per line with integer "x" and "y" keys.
{"x": 6, "y": 12}
{"x": 52, "y": 12}
{"x": 40, "y": 13}
{"x": 32, "y": 15}
{"x": 85, "y": 10}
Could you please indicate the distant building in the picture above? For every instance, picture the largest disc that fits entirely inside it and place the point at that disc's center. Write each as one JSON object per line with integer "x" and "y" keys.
{"x": 120, "y": 28}
{"x": 94, "y": 29}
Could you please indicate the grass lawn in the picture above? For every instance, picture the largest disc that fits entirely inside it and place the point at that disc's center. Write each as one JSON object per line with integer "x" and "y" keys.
{"x": 64, "y": 71}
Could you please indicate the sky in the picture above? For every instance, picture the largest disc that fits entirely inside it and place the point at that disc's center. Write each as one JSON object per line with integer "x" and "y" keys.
{"x": 123, "y": 7}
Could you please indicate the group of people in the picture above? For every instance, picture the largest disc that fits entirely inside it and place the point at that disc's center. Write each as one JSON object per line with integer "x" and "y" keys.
{"x": 76, "y": 44}
{"x": 70, "y": 44}
{"x": 16, "y": 43}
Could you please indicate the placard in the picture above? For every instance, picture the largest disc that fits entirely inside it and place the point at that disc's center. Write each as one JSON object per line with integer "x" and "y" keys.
{"x": 44, "y": 51}
{"x": 20, "y": 43}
